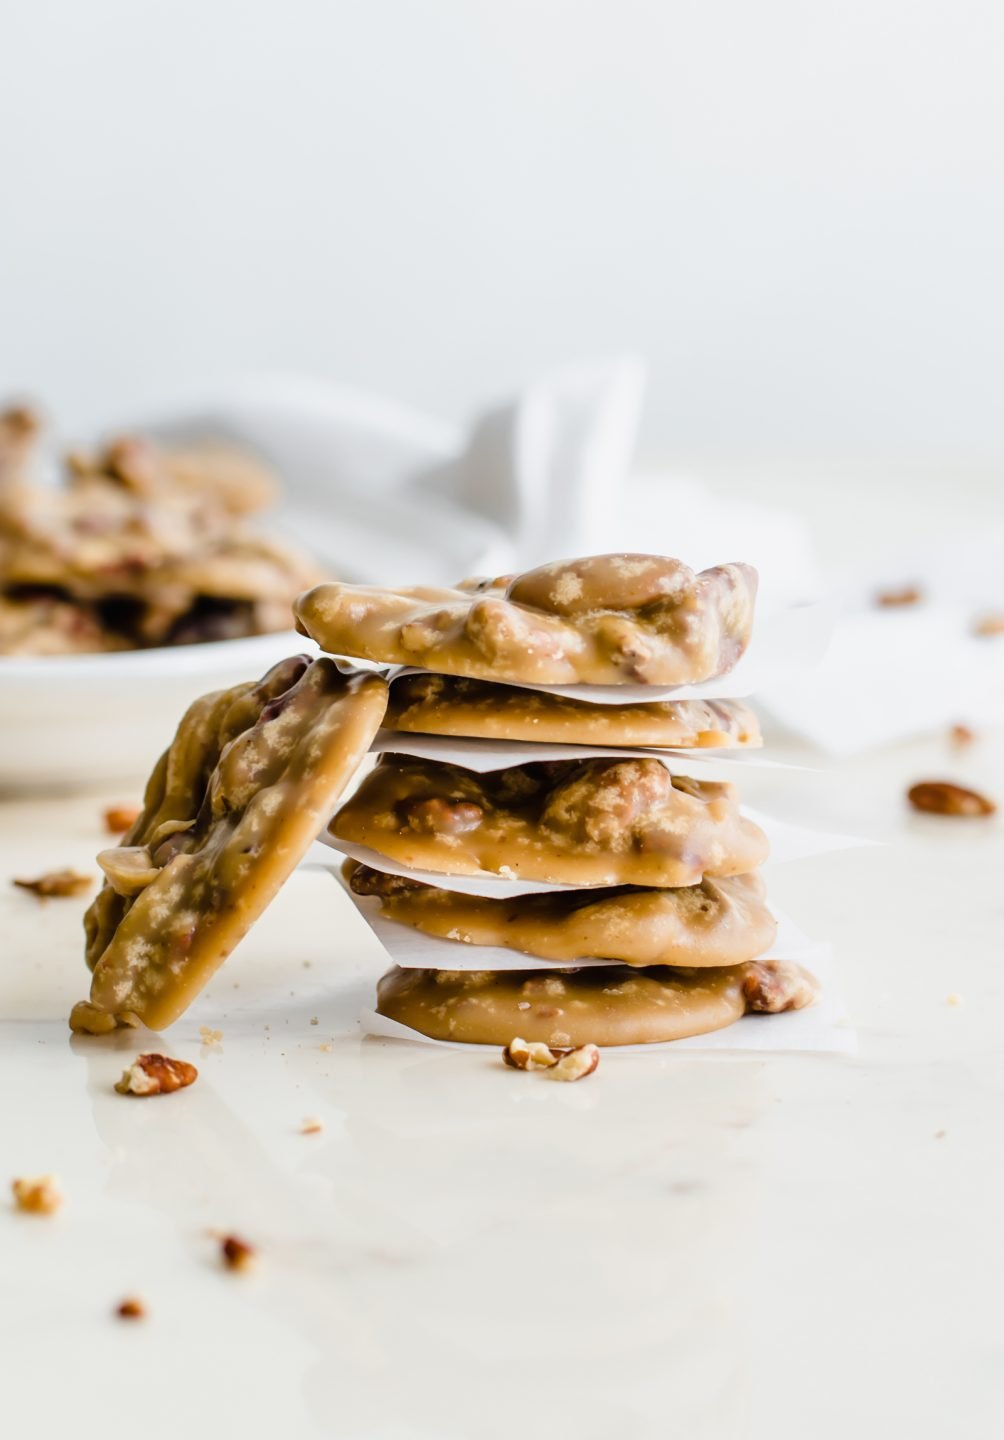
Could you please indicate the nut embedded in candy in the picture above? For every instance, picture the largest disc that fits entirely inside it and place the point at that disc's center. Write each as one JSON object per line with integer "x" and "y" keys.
{"x": 772, "y": 986}
{"x": 594, "y": 822}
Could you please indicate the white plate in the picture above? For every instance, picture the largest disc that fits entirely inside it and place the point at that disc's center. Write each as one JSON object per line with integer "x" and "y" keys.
{"x": 73, "y": 722}
{"x": 70, "y": 723}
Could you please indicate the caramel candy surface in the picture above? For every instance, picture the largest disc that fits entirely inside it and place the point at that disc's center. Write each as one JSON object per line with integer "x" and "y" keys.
{"x": 718, "y": 922}
{"x": 231, "y": 807}
{"x": 576, "y": 822}
{"x": 603, "y": 1005}
{"x": 449, "y": 705}
{"x": 603, "y": 620}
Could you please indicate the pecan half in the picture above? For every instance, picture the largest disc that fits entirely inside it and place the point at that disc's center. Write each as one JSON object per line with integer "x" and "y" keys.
{"x": 942, "y": 797}
{"x": 156, "y": 1075}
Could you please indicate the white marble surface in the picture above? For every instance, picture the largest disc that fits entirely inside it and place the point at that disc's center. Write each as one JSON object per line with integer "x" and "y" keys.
{"x": 697, "y": 1246}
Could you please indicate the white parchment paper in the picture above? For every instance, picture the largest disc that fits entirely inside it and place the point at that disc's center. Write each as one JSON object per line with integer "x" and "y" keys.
{"x": 787, "y": 842}
{"x": 415, "y": 950}
{"x": 784, "y": 641}
{"x": 484, "y": 756}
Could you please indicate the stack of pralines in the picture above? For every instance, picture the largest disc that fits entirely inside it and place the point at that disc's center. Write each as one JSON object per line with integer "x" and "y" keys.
{"x": 656, "y": 873}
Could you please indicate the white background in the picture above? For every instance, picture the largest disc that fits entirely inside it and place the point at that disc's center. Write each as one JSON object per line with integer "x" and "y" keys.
{"x": 794, "y": 209}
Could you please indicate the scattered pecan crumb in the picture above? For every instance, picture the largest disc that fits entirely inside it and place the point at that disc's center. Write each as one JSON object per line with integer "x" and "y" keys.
{"x": 905, "y": 595}
{"x": 954, "y": 1000}
{"x": 961, "y": 736}
{"x": 940, "y": 1134}
{"x": 327, "y": 1047}
{"x": 237, "y": 1254}
{"x": 992, "y": 624}
{"x": 941, "y": 797}
{"x": 131, "y": 1308}
{"x": 40, "y": 1196}
{"x": 312, "y": 1126}
{"x": 120, "y": 818}
{"x": 209, "y": 1036}
{"x": 560, "y": 1062}
{"x": 57, "y": 883}
{"x": 577, "y": 1064}
{"x": 156, "y": 1075}
{"x": 527, "y": 1055}
{"x": 314, "y": 1020}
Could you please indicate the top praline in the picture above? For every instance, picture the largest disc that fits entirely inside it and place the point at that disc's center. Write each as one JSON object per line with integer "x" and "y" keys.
{"x": 617, "y": 619}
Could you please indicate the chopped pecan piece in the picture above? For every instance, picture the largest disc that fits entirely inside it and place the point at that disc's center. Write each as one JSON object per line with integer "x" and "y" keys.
{"x": 562, "y": 1062}
{"x": 905, "y": 595}
{"x": 942, "y": 797}
{"x": 120, "y": 818}
{"x": 364, "y": 880}
{"x": 57, "y": 883}
{"x": 40, "y": 1196}
{"x": 156, "y": 1075}
{"x": 991, "y": 624}
{"x": 961, "y": 736}
{"x": 576, "y": 1064}
{"x": 131, "y": 1308}
{"x": 237, "y": 1254}
{"x": 526, "y": 1055}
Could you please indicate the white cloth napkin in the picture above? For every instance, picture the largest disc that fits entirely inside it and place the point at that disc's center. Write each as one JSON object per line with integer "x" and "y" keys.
{"x": 893, "y": 673}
